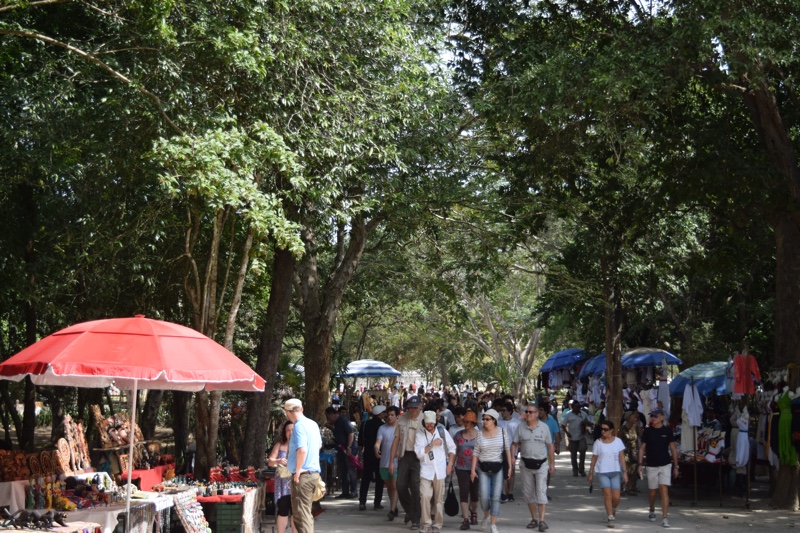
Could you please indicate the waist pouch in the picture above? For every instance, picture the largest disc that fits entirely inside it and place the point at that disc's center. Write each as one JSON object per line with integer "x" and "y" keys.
{"x": 490, "y": 467}
{"x": 533, "y": 464}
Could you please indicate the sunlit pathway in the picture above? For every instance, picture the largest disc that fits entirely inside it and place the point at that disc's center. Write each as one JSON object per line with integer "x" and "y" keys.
{"x": 572, "y": 508}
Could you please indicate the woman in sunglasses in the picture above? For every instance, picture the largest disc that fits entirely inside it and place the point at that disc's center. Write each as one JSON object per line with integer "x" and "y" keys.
{"x": 608, "y": 459}
{"x": 492, "y": 448}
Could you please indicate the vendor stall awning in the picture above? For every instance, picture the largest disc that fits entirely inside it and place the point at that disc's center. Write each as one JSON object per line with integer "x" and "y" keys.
{"x": 564, "y": 359}
{"x": 594, "y": 366}
{"x": 648, "y": 357}
{"x": 708, "y": 378}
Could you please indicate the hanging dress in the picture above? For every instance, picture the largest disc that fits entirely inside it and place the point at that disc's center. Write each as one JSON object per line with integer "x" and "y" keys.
{"x": 786, "y": 451}
{"x": 743, "y": 440}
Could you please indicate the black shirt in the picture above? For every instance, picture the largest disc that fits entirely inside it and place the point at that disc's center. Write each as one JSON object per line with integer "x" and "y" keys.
{"x": 341, "y": 430}
{"x": 657, "y": 441}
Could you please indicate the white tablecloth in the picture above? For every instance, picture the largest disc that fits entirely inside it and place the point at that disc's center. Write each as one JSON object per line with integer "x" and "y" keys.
{"x": 12, "y": 494}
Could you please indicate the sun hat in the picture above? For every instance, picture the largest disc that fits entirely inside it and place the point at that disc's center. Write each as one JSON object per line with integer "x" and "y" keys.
{"x": 470, "y": 416}
{"x": 494, "y": 414}
{"x": 429, "y": 417}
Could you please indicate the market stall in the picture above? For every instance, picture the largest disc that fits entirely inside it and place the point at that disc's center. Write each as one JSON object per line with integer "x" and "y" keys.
{"x": 130, "y": 353}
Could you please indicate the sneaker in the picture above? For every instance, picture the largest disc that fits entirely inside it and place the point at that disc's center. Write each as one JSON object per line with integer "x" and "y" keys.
{"x": 391, "y": 515}
{"x": 342, "y": 496}
{"x": 493, "y": 529}
{"x": 484, "y": 525}
{"x": 415, "y": 526}
{"x": 543, "y": 526}
{"x": 652, "y": 515}
{"x": 362, "y": 507}
{"x": 473, "y": 519}
{"x": 464, "y": 525}
{"x": 377, "y": 507}
{"x": 503, "y": 498}
{"x": 511, "y": 497}
{"x": 611, "y": 521}
{"x": 407, "y": 519}
{"x": 665, "y": 522}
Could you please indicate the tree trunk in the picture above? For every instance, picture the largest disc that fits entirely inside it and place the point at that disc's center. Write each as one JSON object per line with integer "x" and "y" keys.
{"x": 206, "y": 431}
{"x": 768, "y": 122}
{"x": 320, "y": 308}
{"x": 613, "y": 328}
{"x": 272, "y": 333}
{"x": 180, "y": 423}
{"x": 317, "y": 352}
{"x": 149, "y": 419}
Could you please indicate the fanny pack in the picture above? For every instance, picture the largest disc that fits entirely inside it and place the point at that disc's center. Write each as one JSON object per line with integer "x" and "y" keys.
{"x": 490, "y": 467}
{"x": 533, "y": 464}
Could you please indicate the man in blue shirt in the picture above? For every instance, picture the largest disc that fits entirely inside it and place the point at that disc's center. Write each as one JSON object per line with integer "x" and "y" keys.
{"x": 303, "y": 463}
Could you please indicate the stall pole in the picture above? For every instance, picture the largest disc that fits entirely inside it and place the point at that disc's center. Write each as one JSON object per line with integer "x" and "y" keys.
{"x": 694, "y": 445}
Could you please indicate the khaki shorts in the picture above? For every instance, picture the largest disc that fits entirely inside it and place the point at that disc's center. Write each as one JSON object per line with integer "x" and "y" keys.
{"x": 659, "y": 475}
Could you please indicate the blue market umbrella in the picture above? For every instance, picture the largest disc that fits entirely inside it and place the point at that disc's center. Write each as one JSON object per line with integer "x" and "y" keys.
{"x": 646, "y": 357}
{"x": 563, "y": 359}
{"x": 595, "y": 365}
{"x": 708, "y": 378}
{"x": 369, "y": 368}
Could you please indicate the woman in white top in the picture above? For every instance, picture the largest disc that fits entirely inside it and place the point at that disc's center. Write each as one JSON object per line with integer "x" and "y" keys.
{"x": 608, "y": 458}
{"x": 490, "y": 447}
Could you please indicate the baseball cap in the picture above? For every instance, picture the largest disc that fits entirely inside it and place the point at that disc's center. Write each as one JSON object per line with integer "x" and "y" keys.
{"x": 413, "y": 401}
{"x": 291, "y": 405}
{"x": 378, "y": 409}
{"x": 656, "y": 412}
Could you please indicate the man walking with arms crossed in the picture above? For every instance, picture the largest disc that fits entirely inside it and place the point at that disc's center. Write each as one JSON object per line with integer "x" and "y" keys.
{"x": 303, "y": 463}
{"x": 658, "y": 445}
{"x": 407, "y": 469}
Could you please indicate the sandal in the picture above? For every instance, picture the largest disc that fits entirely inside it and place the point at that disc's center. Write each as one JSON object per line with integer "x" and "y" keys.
{"x": 473, "y": 519}
{"x": 465, "y": 524}
{"x": 533, "y": 524}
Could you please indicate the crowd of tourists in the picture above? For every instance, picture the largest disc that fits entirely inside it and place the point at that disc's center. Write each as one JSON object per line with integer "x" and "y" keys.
{"x": 411, "y": 445}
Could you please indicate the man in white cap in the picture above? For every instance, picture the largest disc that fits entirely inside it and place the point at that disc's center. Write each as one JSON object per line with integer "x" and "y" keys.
{"x": 436, "y": 452}
{"x": 366, "y": 443}
{"x": 303, "y": 463}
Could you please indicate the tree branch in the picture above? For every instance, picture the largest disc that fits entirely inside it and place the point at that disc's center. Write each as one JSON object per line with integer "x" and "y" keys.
{"x": 92, "y": 59}
{"x": 30, "y": 4}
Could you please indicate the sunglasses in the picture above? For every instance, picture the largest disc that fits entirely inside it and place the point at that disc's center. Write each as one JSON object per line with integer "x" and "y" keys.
{"x": 531, "y": 412}
{"x": 485, "y": 418}
{"x": 605, "y": 429}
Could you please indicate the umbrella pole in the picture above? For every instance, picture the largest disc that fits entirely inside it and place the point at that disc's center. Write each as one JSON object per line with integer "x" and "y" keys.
{"x": 130, "y": 458}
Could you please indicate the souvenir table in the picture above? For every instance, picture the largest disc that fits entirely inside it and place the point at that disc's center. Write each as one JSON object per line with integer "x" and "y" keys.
{"x": 705, "y": 471}
{"x": 12, "y": 493}
{"x": 142, "y": 516}
{"x": 74, "y": 527}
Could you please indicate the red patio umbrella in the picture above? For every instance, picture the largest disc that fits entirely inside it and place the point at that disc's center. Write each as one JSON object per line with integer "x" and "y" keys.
{"x": 131, "y": 353}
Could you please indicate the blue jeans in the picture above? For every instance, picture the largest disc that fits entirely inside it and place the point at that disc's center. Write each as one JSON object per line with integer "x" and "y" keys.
{"x": 491, "y": 486}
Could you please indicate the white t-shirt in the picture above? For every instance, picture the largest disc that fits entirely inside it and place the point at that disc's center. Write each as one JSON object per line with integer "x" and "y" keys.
{"x": 608, "y": 455}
